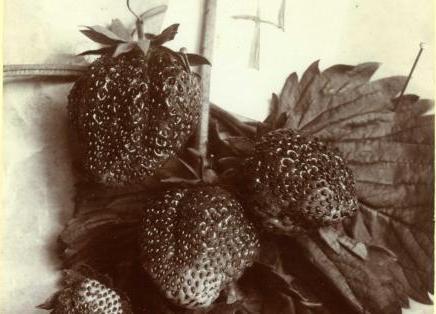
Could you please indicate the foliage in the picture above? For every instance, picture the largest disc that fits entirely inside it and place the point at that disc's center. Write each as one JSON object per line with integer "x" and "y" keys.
{"x": 370, "y": 264}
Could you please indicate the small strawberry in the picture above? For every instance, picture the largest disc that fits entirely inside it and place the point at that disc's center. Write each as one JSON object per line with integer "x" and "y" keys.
{"x": 135, "y": 107}
{"x": 195, "y": 241}
{"x": 83, "y": 295}
{"x": 297, "y": 183}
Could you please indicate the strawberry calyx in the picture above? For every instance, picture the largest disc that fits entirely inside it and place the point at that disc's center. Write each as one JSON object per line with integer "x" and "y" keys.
{"x": 117, "y": 40}
{"x": 166, "y": 35}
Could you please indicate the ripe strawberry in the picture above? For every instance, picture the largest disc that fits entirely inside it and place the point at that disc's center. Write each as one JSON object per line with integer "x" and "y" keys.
{"x": 297, "y": 183}
{"x": 84, "y": 295}
{"x": 194, "y": 242}
{"x": 134, "y": 108}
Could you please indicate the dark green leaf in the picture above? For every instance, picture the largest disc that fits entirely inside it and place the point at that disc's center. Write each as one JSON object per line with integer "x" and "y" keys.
{"x": 150, "y": 36}
{"x": 275, "y": 119}
{"x": 195, "y": 59}
{"x": 231, "y": 123}
{"x": 389, "y": 145}
{"x": 371, "y": 264}
{"x": 372, "y": 282}
{"x": 310, "y": 78}
{"x": 241, "y": 145}
{"x": 102, "y": 35}
{"x": 259, "y": 293}
{"x": 104, "y": 50}
{"x": 288, "y": 98}
{"x": 407, "y": 231}
{"x": 379, "y": 150}
{"x": 322, "y": 261}
{"x": 372, "y": 97}
{"x": 273, "y": 110}
{"x": 166, "y": 35}
{"x": 50, "y": 303}
{"x": 342, "y": 78}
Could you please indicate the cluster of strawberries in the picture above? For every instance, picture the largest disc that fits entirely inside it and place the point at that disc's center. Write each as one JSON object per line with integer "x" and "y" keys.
{"x": 134, "y": 110}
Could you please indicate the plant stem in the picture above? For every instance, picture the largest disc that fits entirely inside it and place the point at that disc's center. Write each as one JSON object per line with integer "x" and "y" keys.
{"x": 140, "y": 29}
{"x": 206, "y": 50}
{"x": 20, "y": 70}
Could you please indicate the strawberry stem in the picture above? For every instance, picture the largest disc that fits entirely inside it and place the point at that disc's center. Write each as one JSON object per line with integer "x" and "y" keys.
{"x": 139, "y": 22}
{"x": 140, "y": 29}
{"x": 206, "y": 49}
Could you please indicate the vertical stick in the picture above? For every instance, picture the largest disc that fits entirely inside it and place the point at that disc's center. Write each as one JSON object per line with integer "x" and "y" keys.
{"x": 421, "y": 48}
{"x": 254, "y": 61}
{"x": 206, "y": 49}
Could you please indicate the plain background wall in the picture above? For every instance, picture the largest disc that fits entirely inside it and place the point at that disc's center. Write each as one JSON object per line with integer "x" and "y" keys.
{"x": 38, "y": 184}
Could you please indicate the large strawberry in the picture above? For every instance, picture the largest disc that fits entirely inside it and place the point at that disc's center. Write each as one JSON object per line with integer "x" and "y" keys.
{"x": 297, "y": 183}
{"x": 135, "y": 107}
{"x": 195, "y": 241}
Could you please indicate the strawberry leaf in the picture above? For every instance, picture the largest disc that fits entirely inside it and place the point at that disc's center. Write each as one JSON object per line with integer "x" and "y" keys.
{"x": 102, "y": 35}
{"x": 363, "y": 101}
{"x": 389, "y": 145}
{"x": 267, "y": 287}
{"x": 150, "y": 36}
{"x": 257, "y": 298}
{"x": 292, "y": 95}
{"x": 241, "y": 145}
{"x": 195, "y": 59}
{"x": 373, "y": 284}
{"x": 153, "y": 12}
{"x": 371, "y": 263}
{"x": 50, "y": 303}
{"x": 101, "y": 51}
{"x": 166, "y": 35}
{"x": 118, "y": 28}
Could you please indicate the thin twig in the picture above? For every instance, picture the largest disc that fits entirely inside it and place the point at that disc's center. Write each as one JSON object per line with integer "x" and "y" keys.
{"x": 421, "y": 48}
{"x": 206, "y": 49}
{"x": 131, "y": 11}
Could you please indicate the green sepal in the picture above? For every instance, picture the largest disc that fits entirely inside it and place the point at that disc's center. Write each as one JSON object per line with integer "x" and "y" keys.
{"x": 195, "y": 59}
{"x": 101, "y": 35}
{"x": 166, "y": 35}
{"x": 101, "y": 51}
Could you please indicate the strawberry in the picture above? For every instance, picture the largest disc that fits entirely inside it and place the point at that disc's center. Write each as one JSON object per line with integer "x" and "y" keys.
{"x": 195, "y": 241}
{"x": 83, "y": 295}
{"x": 135, "y": 107}
{"x": 297, "y": 183}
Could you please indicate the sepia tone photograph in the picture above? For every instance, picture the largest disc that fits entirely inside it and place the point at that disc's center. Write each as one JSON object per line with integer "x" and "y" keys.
{"x": 217, "y": 156}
